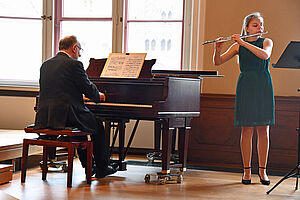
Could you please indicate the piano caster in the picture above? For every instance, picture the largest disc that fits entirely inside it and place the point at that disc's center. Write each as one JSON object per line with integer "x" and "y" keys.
{"x": 147, "y": 178}
{"x": 163, "y": 179}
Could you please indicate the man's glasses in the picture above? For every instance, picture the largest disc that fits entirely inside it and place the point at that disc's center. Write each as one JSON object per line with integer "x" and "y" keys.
{"x": 80, "y": 49}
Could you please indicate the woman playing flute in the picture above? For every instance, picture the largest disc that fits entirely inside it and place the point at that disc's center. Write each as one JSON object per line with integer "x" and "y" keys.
{"x": 254, "y": 102}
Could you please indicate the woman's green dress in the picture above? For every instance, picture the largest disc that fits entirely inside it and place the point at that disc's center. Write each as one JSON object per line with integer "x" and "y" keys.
{"x": 254, "y": 102}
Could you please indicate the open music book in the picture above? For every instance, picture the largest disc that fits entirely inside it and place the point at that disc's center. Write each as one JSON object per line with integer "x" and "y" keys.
{"x": 123, "y": 65}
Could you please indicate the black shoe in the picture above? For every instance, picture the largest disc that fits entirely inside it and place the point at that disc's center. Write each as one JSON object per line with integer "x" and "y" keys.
{"x": 264, "y": 182}
{"x": 108, "y": 171}
{"x": 246, "y": 182}
{"x": 94, "y": 169}
{"x": 114, "y": 165}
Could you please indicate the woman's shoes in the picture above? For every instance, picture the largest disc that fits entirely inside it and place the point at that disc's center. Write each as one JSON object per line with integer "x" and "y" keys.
{"x": 246, "y": 182}
{"x": 264, "y": 182}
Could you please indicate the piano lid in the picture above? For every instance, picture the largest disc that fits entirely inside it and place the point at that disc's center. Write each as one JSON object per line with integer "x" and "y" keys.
{"x": 96, "y": 66}
{"x": 185, "y": 73}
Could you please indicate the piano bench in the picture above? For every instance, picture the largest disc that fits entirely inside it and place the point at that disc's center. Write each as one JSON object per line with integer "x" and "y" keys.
{"x": 70, "y": 143}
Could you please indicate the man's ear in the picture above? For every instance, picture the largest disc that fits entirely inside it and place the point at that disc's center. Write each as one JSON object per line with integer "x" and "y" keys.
{"x": 73, "y": 48}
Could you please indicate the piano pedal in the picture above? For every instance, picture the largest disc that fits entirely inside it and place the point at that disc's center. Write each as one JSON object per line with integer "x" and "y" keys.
{"x": 158, "y": 156}
{"x": 175, "y": 158}
{"x": 163, "y": 179}
{"x": 154, "y": 156}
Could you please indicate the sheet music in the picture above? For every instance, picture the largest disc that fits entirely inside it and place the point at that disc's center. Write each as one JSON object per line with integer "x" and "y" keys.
{"x": 121, "y": 65}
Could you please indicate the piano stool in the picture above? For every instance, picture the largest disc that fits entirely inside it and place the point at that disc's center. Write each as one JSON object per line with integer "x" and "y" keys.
{"x": 70, "y": 143}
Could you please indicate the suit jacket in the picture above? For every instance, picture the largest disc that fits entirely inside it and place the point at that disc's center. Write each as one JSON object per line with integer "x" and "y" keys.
{"x": 63, "y": 80}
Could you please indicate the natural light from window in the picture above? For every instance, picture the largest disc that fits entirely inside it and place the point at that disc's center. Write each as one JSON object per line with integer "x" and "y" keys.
{"x": 20, "y": 39}
{"x": 155, "y": 27}
{"x": 93, "y": 30}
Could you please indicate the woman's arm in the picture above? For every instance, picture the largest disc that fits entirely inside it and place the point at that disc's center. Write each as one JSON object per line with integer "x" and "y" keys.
{"x": 220, "y": 59}
{"x": 263, "y": 53}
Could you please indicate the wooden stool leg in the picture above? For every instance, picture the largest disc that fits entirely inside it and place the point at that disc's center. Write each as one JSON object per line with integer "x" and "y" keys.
{"x": 70, "y": 164}
{"x": 45, "y": 164}
{"x": 24, "y": 160}
{"x": 89, "y": 165}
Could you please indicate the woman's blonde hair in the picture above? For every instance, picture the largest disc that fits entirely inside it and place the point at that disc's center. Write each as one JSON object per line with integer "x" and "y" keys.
{"x": 247, "y": 20}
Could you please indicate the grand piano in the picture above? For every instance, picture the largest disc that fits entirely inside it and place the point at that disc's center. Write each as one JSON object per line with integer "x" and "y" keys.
{"x": 169, "y": 98}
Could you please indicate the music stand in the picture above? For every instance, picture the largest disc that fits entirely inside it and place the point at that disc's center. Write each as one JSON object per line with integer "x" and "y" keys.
{"x": 290, "y": 58}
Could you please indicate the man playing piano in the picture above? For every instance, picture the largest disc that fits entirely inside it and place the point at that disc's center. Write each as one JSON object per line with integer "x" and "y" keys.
{"x": 63, "y": 82}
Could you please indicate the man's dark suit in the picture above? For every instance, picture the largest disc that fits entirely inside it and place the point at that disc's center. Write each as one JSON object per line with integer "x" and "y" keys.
{"x": 63, "y": 80}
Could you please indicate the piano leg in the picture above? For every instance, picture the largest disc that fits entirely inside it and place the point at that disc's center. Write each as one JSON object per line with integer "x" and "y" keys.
{"x": 120, "y": 130}
{"x": 174, "y": 141}
{"x": 107, "y": 129}
{"x": 157, "y": 135}
{"x": 183, "y": 140}
{"x": 166, "y": 147}
{"x": 122, "y": 164}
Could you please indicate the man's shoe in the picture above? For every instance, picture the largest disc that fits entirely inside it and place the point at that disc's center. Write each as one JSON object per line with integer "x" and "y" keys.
{"x": 94, "y": 169}
{"x": 108, "y": 171}
{"x": 114, "y": 165}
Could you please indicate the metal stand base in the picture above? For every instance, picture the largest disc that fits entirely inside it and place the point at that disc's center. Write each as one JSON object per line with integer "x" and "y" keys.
{"x": 290, "y": 174}
{"x": 294, "y": 172}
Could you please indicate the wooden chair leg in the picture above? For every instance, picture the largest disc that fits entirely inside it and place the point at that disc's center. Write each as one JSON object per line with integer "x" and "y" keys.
{"x": 70, "y": 164}
{"x": 89, "y": 165}
{"x": 24, "y": 160}
{"x": 45, "y": 164}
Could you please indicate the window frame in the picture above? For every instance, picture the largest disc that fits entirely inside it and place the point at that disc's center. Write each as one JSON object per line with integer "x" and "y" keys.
{"x": 46, "y": 43}
{"x": 59, "y": 18}
{"x": 127, "y": 21}
{"x": 52, "y": 11}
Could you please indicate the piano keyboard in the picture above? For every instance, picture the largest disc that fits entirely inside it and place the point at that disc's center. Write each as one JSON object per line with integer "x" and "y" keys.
{"x": 120, "y": 105}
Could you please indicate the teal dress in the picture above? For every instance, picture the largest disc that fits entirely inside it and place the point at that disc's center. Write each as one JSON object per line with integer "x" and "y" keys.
{"x": 254, "y": 101}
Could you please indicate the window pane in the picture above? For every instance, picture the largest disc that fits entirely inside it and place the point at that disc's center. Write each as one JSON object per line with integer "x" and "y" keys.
{"x": 87, "y": 8}
{"x": 21, "y": 8}
{"x": 161, "y": 41}
{"x": 95, "y": 38}
{"x": 155, "y": 9}
{"x": 21, "y": 52}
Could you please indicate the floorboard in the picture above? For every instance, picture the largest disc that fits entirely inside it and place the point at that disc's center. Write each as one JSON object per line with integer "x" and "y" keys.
{"x": 197, "y": 184}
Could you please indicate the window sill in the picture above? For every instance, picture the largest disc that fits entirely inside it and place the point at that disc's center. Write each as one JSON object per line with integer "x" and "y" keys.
{"x": 19, "y": 88}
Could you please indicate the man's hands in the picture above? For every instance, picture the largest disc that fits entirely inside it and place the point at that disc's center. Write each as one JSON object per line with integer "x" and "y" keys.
{"x": 85, "y": 98}
{"x": 102, "y": 97}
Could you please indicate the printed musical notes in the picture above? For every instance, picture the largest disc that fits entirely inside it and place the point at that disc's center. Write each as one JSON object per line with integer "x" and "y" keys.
{"x": 122, "y": 65}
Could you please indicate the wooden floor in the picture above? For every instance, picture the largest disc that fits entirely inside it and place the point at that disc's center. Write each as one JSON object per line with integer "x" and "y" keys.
{"x": 197, "y": 184}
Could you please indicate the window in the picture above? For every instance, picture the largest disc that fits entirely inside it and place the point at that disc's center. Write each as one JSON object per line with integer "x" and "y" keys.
{"x": 31, "y": 29}
{"x": 90, "y": 21}
{"x": 20, "y": 39}
{"x": 155, "y": 21}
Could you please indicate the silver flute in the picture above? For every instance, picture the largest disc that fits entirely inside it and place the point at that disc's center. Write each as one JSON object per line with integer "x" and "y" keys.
{"x": 225, "y": 39}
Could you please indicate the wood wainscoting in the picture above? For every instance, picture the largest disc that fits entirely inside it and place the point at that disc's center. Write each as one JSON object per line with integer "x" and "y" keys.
{"x": 214, "y": 140}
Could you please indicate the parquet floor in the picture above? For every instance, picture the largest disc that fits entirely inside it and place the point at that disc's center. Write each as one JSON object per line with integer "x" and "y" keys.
{"x": 197, "y": 184}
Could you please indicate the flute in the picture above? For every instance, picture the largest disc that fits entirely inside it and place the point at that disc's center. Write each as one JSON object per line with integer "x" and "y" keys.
{"x": 229, "y": 38}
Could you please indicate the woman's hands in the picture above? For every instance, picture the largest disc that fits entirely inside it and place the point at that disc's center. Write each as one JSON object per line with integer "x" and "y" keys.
{"x": 237, "y": 38}
{"x": 219, "y": 45}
